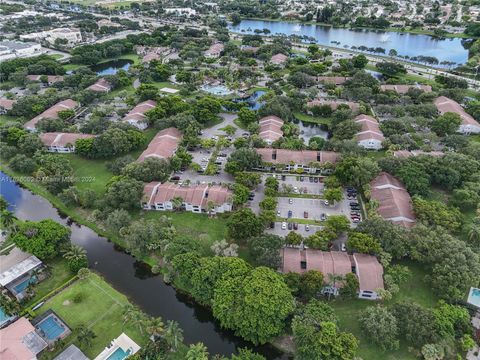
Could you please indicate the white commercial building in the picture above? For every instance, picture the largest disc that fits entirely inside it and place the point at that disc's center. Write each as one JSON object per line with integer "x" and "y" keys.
{"x": 17, "y": 49}
{"x": 71, "y": 35}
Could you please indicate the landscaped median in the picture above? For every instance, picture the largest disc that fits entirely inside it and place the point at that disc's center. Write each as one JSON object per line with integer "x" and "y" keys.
{"x": 92, "y": 303}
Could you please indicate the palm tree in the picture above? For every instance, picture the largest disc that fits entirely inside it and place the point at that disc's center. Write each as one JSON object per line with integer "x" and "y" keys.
{"x": 8, "y": 219}
{"x": 197, "y": 352}
{"x": 134, "y": 316}
{"x": 155, "y": 327}
{"x": 173, "y": 334}
{"x": 85, "y": 336}
{"x": 75, "y": 253}
{"x": 177, "y": 203}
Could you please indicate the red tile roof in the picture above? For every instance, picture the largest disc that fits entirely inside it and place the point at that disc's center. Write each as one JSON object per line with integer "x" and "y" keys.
{"x": 336, "y": 80}
{"x": 51, "y": 79}
{"x": 271, "y": 128}
{"x": 370, "y": 128}
{"x": 137, "y": 114}
{"x": 12, "y": 341}
{"x": 51, "y": 113}
{"x": 403, "y": 89}
{"x": 62, "y": 139}
{"x": 163, "y": 145}
{"x": 6, "y": 103}
{"x": 445, "y": 105}
{"x": 395, "y": 204}
{"x": 278, "y": 59}
{"x": 334, "y": 104}
{"x": 101, "y": 85}
{"x": 369, "y": 272}
{"x": 215, "y": 49}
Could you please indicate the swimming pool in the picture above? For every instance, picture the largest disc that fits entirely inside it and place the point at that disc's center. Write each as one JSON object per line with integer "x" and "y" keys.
{"x": 19, "y": 288}
{"x": 474, "y": 297}
{"x": 4, "y": 317}
{"x": 51, "y": 328}
{"x": 217, "y": 90}
{"x": 119, "y": 354}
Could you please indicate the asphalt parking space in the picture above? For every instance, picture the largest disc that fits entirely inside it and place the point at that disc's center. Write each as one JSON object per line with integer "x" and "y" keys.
{"x": 314, "y": 208}
{"x": 277, "y": 230}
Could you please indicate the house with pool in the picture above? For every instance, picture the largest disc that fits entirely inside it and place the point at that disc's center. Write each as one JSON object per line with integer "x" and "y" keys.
{"x": 18, "y": 270}
{"x": 20, "y": 341}
{"x": 119, "y": 349}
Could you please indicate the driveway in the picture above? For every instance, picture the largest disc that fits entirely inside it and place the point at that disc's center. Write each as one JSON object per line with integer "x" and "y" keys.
{"x": 215, "y": 130}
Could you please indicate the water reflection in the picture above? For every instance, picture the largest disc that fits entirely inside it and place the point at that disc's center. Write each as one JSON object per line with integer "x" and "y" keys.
{"x": 112, "y": 67}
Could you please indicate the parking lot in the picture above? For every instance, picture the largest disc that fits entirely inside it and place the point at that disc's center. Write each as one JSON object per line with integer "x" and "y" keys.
{"x": 277, "y": 230}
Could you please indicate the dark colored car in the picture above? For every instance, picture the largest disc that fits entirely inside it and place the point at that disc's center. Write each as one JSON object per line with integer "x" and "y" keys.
{"x": 315, "y": 180}
{"x": 272, "y": 225}
{"x": 290, "y": 213}
{"x": 290, "y": 226}
{"x": 305, "y": 214}
{"x": 295, "y": 226}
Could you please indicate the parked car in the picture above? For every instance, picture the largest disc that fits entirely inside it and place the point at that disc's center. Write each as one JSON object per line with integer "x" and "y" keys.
{"x": 295, "y": 226}
{"x": 290, "y": 226}
{"x": 354, "y": 203}
{"x": 326, "y": 203}
{"x": 343, "y": 247}
{"x": 310, "y": 178}
{"x": 284, "y": 177}
{"x": 290, "y": 213}
{"x": 357, "y": 220}
{"x": 272, "y": 225}
{"x": 284, "y": 225}
{"x": 305, "y": 214}
{"x": 278, "y": 213}
{"x": 175, "y": 178}
{"x": 307, "y": 227}
{"x": 323, "y": 217}
{"x": 301, "y": 178}
{"x": 304, "y": 190}
{"x": 315, "y": 180}
{"x": 290, "y": 201}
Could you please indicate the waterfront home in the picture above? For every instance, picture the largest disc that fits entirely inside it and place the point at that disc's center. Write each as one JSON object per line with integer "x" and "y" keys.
{"x": 51, "y": 113}
{"x": 214, "y": 51}
{"x": 62, "y": 142}
{"x": 120, "y": 348}
{"x": 194, "y": 198}
{"x": 19, "y": 341}
{"x": 136, "y": 117}
{"x": 6, "y": 105}
{"x": 336, "y": 263}
{"x": 163, "y": 145}
{"x": 297, "y": 160}
{"x": 333, "y": 104}
{"x": 270, "y": 128}
{"x": 18, "y": 270}
{"x": 370, "y": 136}
{"x": 403, "y": 154}
{"x": 278, "y": 59}
{"x": 468, "y": 125}
{"x": 403, "y": 89}
{"x": 50, "y": 79}
{"x": 394, "y": 202}
{"x": 101, "y": 85}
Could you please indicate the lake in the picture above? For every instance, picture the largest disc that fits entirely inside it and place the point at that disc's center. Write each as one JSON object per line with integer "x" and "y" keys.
{"x": 132, "y": 277}
{"x": 112, "y": 67}
{"x": 450, "y": 49}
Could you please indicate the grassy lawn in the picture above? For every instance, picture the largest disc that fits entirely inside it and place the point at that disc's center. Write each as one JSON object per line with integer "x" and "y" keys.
{"x": 162, "y": 84}
{"x": 311, "y": 119}
{"x": 475, "y": 138}
{"x": 60, "y": 274}
{"x": 100, "y": 308}
{"x": 132, "y": 57}
{"x": 199, "y": 225}
{"x": 240, "y": 124}
{"x": 89, "y": 173}
{"x": 415, "y": 289}
{"x": 5, "y": 118}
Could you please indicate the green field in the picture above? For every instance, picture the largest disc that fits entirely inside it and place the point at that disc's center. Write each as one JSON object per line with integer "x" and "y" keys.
{"x": 59, "y": 275}
{"x": 5, "y": 118}
{"x": 311, "y": 119}
{"x": 207, "y": 231}
{"x": 100, "y": 308}
{"x": 415, "y": 289}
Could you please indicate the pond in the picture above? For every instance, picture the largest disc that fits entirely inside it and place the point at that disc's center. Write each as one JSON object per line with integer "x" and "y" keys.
{"x": 406, "y": 44}
{"x": 133, "y": 278}
{"x": 252, "y": 100}
{"x": 112, "y": 67}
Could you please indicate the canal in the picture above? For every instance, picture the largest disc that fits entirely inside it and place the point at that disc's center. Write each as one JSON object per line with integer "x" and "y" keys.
{"x": 132, "y": 277}
{"x": 450, "y": 49}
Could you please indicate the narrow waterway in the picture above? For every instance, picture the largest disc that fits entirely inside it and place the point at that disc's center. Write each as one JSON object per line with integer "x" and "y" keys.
{"x": 133, "y": 278}
{"x": 450, "y": 49}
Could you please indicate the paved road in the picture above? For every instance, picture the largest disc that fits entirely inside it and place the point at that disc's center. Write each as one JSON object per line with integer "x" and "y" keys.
{"x": 215, "y": 130}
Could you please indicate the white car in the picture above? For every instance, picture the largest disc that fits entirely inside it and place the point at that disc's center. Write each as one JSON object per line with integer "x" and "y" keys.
{"x": 344, "y": 248}
{"x": 290, "y": 201}
{"x": 284, "y": 225}
{"x": 307, "y": 227}
{"x": 326, "y": 202}
{"x": 278, "y": 213}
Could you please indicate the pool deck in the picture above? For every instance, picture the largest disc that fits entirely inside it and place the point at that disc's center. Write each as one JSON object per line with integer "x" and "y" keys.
{"x": 474, "y": 297}
{"x": 123, "y": 342}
